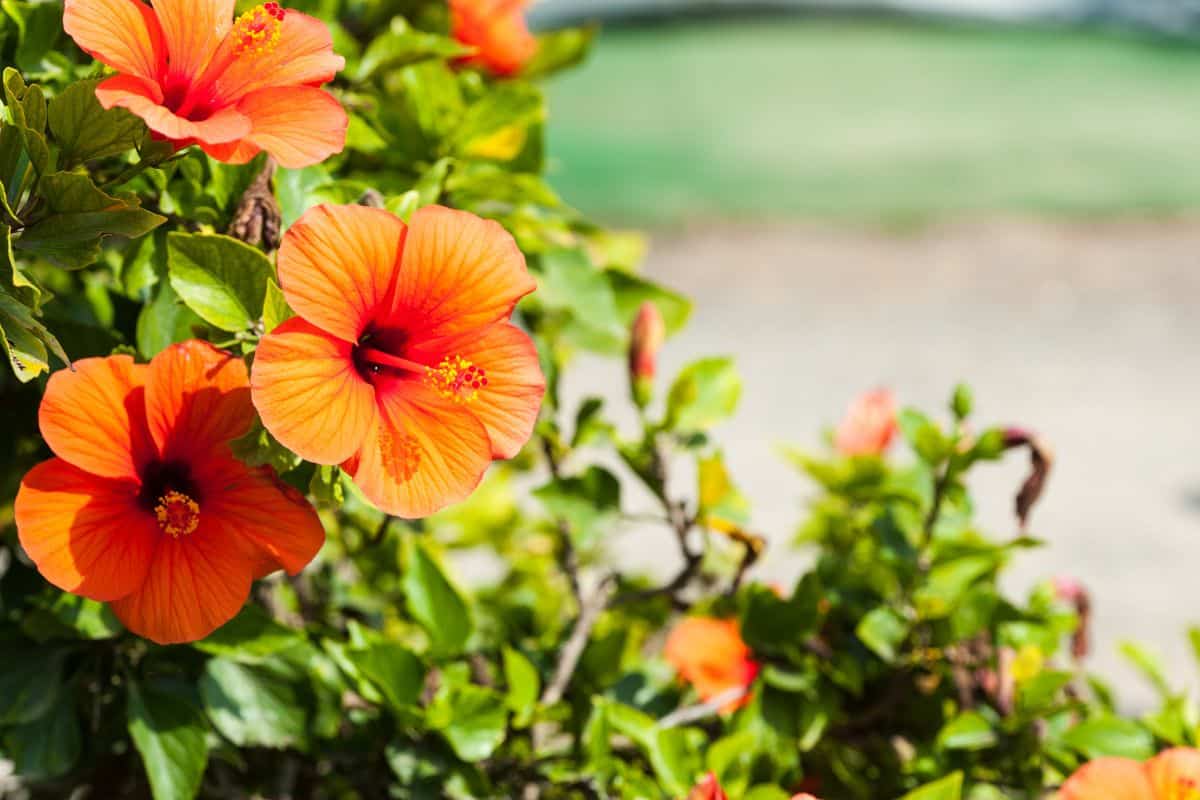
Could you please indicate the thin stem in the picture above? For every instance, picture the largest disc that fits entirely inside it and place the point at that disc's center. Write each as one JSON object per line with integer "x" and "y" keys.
{"x": 572, "y": 651}
{"x": 683, "y": 716}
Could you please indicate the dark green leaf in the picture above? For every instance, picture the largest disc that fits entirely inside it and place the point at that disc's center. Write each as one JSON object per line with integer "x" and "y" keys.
{"x": 433, "y": 600}
{"x": 393, "y": 670}
{"x": 883, "y": 631}
{"x": 48, "y": 746}
{"x": 251, "y": 706}
{"x": 84, "y": 130}
{"x": 169, "y": 732}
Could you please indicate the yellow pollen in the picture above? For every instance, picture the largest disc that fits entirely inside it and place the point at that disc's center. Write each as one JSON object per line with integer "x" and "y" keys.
{"x": 256, "y": 32}
{"x": 401, "y": 454}
{"x": 456, "y": 379}
{"x": 177, "y": 514}
{"x": 1185, "y": 789}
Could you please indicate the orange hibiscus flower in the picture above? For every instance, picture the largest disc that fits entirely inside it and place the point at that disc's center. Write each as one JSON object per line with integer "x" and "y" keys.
{"x": 869, "y": 425}
{"x": 1171, "y": 775}
{"x": 144, "y": 507}
{"x": 497, "y": 31}
{"x": 709, "y": 788}
{"x": 402, "y": 365}
{"x": 235, "y": 88}
{"x": 711, "y": 656}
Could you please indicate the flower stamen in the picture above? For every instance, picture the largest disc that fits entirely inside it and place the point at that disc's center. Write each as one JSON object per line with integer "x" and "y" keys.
{"x": 256, "y": 32}
{"x": 457, "y": 379}
{"x": 177, "y": 514}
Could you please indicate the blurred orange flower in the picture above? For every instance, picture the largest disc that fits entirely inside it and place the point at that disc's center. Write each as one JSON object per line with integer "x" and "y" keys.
{"x": 869, "y": 425}
{"x": 711, "y": 656}
{"x": 197, "y": 76}
{"x": 709, "y": 788}
{"x": 497, "y": 31}
{"x": 145, "y": 507}
{"x": 402, "y": 365}
{"x": 1171, "y": 775}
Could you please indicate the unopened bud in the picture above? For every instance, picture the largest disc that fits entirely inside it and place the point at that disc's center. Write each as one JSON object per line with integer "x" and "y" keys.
{"x": 648, "y": 334}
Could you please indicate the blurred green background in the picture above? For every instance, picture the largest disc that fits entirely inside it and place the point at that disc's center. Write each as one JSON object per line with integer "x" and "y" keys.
{"x": 887, "y": 120}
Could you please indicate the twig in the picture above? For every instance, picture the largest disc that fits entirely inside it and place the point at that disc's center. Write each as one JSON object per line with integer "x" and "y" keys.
{"x": 683, "y": 716}
{"x": 682, "y": 523}
{"x": 258, "y": 219}
{"x": 572, "y": 651}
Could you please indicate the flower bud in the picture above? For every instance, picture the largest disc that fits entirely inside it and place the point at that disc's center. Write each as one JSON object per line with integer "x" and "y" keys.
{"x": 709, "y": 788}
{"x": 869, "y": 425}
{"x": 648, "y": 334}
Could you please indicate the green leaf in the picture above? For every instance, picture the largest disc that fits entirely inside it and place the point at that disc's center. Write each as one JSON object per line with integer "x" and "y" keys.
{"x": 87, "y": 618}
{"x": 394, "y": 670}
{"x": 30, "y": 681}
{"x": 1149, "y": 665}
{"x": 668, "y": 751}
{"x": 250, "y": 637}
{"x": 275, "y": 307}
{"x": 948, "y": 582}
{"x": 883, "y": 631}
{"x": 585, "y": 501}
{"x": 220, "y": 278}
{"x": 80, "y": 217}
{"x": 169, "y": 733}
{"x": 705, "y": 393}
{"x": 1194, "y": 638}
{"x": 923, "y": 436}
{"x": 259, "y": 447}
{"x": 508, "y": 106}
{"x": 1110, "y": 736}
{"x": 970, "y": 730}
{"x": 559, "y": 50}
{"x": 84, "y": 130}
{"x": 473, "y": 720}
{"x": 718, "y": 497}
{"x": 524, "y": 686}
{"x": 164, "y": 321}
{"x": 630, "y": 291}
{"x": 962, "y": 402}
{"x": 433, "y": 600}
{"x": 948, "y": 788}
{"x": 772, "y": 624}
{"x": 252, "y": 707}
{"x": 570, "y": 283}
{"x": 401, "y": 46}
{"x": 48, "y": 746}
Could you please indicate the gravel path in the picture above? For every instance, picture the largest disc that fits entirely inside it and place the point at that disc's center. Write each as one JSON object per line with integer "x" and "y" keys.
{"x": 1086, "y": 333}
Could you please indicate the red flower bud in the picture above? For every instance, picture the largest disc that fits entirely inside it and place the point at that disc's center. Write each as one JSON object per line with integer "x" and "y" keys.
{"x": 708, "y": 789}
{"x": 647, "y": 337}
{"x": 869, "y": 425}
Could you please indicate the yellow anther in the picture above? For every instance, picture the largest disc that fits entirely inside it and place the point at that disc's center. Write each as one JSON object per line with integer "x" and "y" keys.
{"x": 457, "y": 379}
{"x": 177, "y": 514}
{"x": 256, "y": 32}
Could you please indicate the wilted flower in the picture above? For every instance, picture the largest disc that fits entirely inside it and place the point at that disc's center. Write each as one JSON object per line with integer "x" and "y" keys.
{"x": 1171, "y": 775}
{"x": 711, "y": 656}
{"x": 197, "y": 76}
{"x": 869, "y": 425}
{"x": 145, "y": 507}
{"x": 497, "y": 31}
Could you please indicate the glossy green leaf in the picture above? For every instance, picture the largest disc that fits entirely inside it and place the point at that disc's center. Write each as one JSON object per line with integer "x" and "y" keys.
{"x": 433, "y": 600}
{"x": 84, "y": 130}
{"x": 948, "y": 788}
{"x": 705, "y": 393}
{"x": 220, "y": 278}
{"x": 169, "y": 733}
{"x": 473, "y": 719}
{"x": 252, "y": 707}
{"x": 1110, "y": 736}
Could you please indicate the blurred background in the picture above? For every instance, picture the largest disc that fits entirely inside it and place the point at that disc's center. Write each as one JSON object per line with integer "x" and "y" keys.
{"x": 910, "y": 194}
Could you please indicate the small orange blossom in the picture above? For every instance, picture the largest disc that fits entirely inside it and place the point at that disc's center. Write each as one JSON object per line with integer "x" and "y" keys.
{"x": 711, "y": 656}
{"x": 497, "y": 31}
{"x": 869, "y": 425}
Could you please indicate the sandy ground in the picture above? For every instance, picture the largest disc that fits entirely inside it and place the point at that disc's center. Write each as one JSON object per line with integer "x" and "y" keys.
{"x": 1087, "y": 333}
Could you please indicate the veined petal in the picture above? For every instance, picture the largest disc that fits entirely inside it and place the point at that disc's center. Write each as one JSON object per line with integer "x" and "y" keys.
{"x": 192, "y": 32}
{"x": 273, "y": 518}
{"x": 1108, "y": 778}
{"x": 197, "y": 397}
{"x": 123, "y": 91}
{"x": 423, "y": 453}
{"x": 124, "y": 34}
{"x": 508, "y": 404}
{"x": 309, "y": 395}
{"x": 459, "y": 272}
{"x": 94, "y": 417}
{"x": 87, "y": 535}
{"x": 196, "y": 583}
{"x": 303, "y": 56}
{"x": 1175, "y": 773}
{"x": 298, "y": 125}
{"x": 337, "y": 265}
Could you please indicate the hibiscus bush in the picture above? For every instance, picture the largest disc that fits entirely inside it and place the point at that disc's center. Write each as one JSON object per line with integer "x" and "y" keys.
{"x": 293, "y": 504}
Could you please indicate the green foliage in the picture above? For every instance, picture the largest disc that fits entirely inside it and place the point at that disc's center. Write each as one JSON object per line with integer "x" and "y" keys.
{"x": 894, "y": 667}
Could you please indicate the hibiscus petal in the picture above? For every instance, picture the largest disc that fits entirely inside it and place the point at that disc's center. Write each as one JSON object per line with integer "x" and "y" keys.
{"x": 298, "y": 125}
{"x": 459, "y": 272}
{"x": 86, "y": 535}
{"x": 125, "y": 91}
{"x": 124, "y": 34}
{"x": 423, "y": 454}
{"x": 196, "y": 583}
{"x": 94, "y": 417}
{"x": 277, "y": 521}
{"x": 197, "y": 397}
{"x": 337, "y": 265}
{"x": 309, "y": 395}
{"x": 508, "y": 406}
{"x": 1108, "y": 778}
{"x": 1175, "y": 773}
{"x": 303, "y": 56}
{"x": 193, "y": 31}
